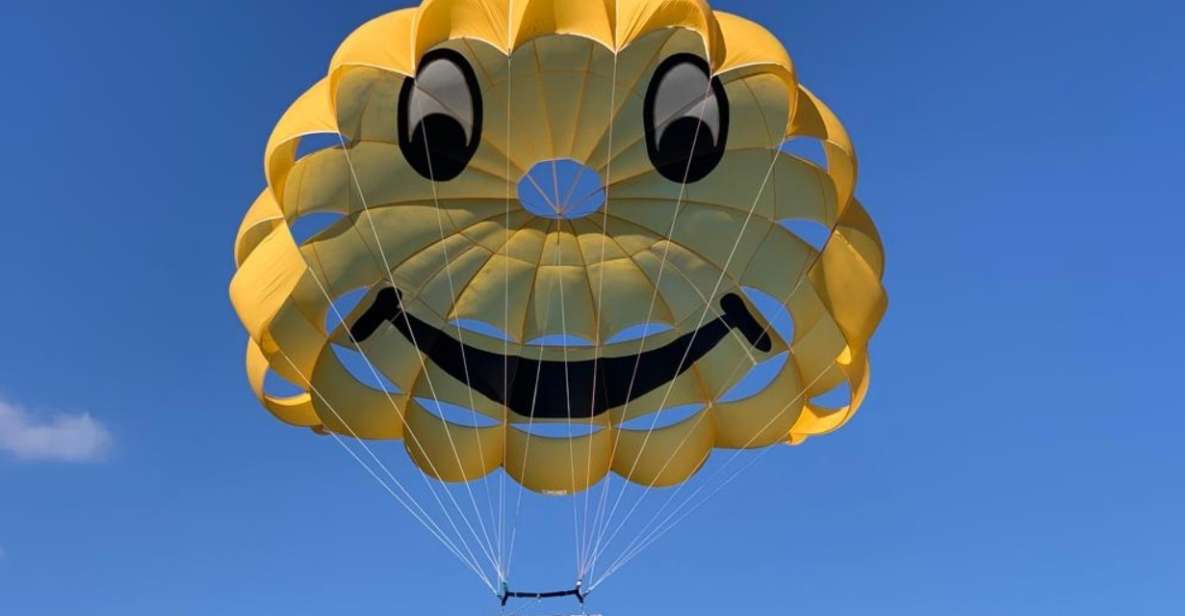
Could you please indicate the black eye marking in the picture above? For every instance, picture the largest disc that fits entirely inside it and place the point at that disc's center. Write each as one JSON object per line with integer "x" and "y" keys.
{"x": 685, "y": 116}
{"x": 440, "y": 116}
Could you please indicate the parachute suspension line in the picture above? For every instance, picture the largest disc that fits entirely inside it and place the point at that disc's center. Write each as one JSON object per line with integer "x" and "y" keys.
{"x": 577, "y": 520}
{"x": 661, "y": 530}
{"x": 443, "y": 539}
{"x": 632, "y": 551}
{"x": 555, "y": 184}
{"x": 601, "y": 508}
{"x": 423, "y": 365}
{"x": 650, "y": 309}
{"x": 681, "y": 486}
{"x": 678, "y": 489}
{"x": 502, "y": 557}
{"x": 421, "y": 516}
{"x": 703, "y": 315}
{"x": 588, "y": 531}
{"x": 582, "y": 519}
{"x": 448, "y": 270}
{"x": 602, "y": 499}
{"x": 567, "y": 387}
{"x": 530, "y": 420}
{"x": 395, "y": 408}
{"x": 650, "y": 531}
{"x": 635, "y": 547}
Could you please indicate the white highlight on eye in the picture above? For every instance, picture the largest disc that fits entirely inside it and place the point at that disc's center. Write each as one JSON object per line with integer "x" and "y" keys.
{"x": 685, "y": 91}
{"x": 440, "y": 87}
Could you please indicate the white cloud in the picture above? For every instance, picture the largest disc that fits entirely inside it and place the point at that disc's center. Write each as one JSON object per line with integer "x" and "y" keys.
{"x": 59, "y": 438}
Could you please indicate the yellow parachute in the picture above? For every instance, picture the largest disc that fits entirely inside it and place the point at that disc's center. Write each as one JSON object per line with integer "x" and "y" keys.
{"x": 455, "y": 123}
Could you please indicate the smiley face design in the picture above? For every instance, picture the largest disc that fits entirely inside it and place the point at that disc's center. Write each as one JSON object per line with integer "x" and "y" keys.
{"x": 547, "y": 214}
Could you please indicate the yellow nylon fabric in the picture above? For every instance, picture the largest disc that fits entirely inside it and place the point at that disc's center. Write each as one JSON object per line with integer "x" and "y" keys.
{"x": 558, "y": 80}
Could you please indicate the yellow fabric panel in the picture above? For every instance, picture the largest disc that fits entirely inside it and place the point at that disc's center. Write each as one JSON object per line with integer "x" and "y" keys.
{"x": 265, "y": 279}
{"x": 632, "y": 239}
{"x": 757, "y": 96}
{"x": 513, "y": 418}
{"x": 803, "y": 191}
{"x": 486, "y": 297}
{"x": 702, "y": 237}
{"x": 312, "y": 113}
{"x": 434, "y": 384}
{"x": 293, "y": 343}
{"x": 762, "y": 419}
{"x": 816, "y": 420}
{"x": 412, "y": 244}
{"x": 856, "y": 228}
{"x": 684, "y": 390}
{"x": 535, "y": 18}
{"x": 720, "y": 370}
{"x": 700, "y": 275}
{"x": 625, "y": 301}
{"x": 365, "y": 100}
{"x": 523, "y": 92}
{"x": 443, "y": 20}
{"x": 849, "y": 286}
{"x": 825, "y": 381}
{"x": 494, "y": 233}
{"x": 561, "y": 92}
{"x": 779, "y": 264}
{"x": 392, "y": 355}
{"x": 601, "y": 99}
{"x": 340, "y": 257}
{"x": 296, "y": 409}
{"x": 636, "y": 18}
{"x": 816, "y": 348}
{"x": 572, "y": 87}
{"x": 812, "y": 118}
{"x": 568, "y": 465}
{"x": 362, "y": 101}
{"x": 377, "y": 44}
{"x": 863, "y": 303}
{"x": 349, "y": 407}
{"x": 850, "y": 290}
{"x": 665, "y": 456}
{"x": 509, "y": 25}
{"x": 463, "y": 262}
{"x": 320, "y": 182}
{"x": 680, "y": 295}
{"x": 749, "y": 43}
{"x": 561, "y": 303}
{"x": 449, "y": 451}
{"x": 561, "y": 248}
{"x": 634, "y": 68}
{"x": 749, "y": 47}
{"x": 384, "y": 177}
{"x": 261, "y": 219}
{"x": 528, "y": 244}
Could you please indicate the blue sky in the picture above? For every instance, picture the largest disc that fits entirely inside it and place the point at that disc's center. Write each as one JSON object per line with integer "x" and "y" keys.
{"x": 1020, "y": 453}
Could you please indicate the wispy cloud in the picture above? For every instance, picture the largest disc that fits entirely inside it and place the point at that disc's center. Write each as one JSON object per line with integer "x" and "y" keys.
{"x": 57, "y": 437}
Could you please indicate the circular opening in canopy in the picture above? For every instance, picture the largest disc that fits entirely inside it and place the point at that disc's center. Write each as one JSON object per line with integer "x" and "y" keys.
{"x": 561, "y": 189}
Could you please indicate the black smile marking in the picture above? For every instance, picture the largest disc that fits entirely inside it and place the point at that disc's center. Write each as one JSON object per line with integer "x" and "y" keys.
{"x": 538, "y": 388}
